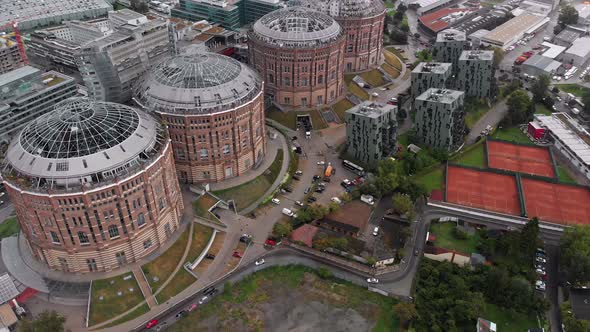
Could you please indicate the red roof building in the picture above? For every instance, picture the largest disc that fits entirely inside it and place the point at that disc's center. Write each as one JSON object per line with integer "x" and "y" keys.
{"x": 304, "y": 234}
{"x": 439, "y": 20}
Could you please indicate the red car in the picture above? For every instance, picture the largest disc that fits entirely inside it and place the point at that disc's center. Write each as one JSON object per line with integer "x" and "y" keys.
{"x": 192, "y": 307}
{"x": 151, "y": 323}
{"x": 237, "y": 254}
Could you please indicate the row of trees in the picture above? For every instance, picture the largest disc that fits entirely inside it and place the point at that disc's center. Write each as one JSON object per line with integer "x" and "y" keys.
{"x": 392, "y": 176}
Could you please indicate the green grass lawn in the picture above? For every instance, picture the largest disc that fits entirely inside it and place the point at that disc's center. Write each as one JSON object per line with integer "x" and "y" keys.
{"x": 446, "y": 239}
{"x": 247, "y": 193}
{"x": 542, "y": 109}
{"x": 112, "y": 304}
{"x": 373, "y": 77}
{"x": 473, "y": 157}
{"x": 9, "y": 227}
{"x": 513, "y": 134}
{"x": 392, "y": 59}
{"x": 202, "y": 205}
{"x": 576, "y": 90}
{"x": 163, "y": 266}
{"x": 358, "y": 91}
{"x": 245, "y": 303}
{"x": 403, "y": 140}
{"x": 431, "y": 180}
{"x": 289, "y": 118}
{"x": 474, "y": 114}
{"x": 563, "y": 175}
{"x": 394, "y": 73}
{"x": 508, "y": 320}
{"x": 130, "y": 316}
{"x": 341, "y": 107}
{"x": 201, "y": 236}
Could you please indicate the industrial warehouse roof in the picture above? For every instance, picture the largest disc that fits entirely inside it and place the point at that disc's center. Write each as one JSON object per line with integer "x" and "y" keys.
{"x": 82, "y": 138}
{"x": 440, "y": 19}
{"x": 514, "y": 27}
{"x": 568, "y": 35}
{"x": 349, "y": 8}
{"x": 553, "y": 51}
{"x": 296, "y": 27}
{"x": 566, "y": 130}
{"x": 197, "y": 83}
{"x": 543, "y": 63}
{"x": 28, "y": 10}
{"x": 580, "y": 47}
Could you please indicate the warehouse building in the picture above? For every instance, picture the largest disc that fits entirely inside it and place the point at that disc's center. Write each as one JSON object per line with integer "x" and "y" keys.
{"x": 441, "y": 19}
{"x": 476, "y": 73}
{"x": 28, "y": 93}
{"x": 566, "y": 37}
{"x": 552, "y": 51}
{"x": 568, "y": 137}
{"x": 440, "y": 118}
{"x": 93, "y": 185}
{"x": 578, "y": 53}
{"x": 428, "y": 75}
{"x": 583, "y": 13}
{"x": 513, "y": 30}
{"x": 371, "y": 131}
{"x": 32, "y": 14}
{"x": 540, "y": 65}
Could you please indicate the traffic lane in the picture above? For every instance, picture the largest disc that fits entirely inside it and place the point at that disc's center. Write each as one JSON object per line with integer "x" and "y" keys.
{"x": 552, "y": 286}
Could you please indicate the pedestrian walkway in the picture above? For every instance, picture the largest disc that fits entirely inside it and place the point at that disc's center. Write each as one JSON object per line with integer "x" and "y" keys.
{"x": 144, "y": 286}
{"x": 272, "y": 148}
{"x": 18, "y": 269}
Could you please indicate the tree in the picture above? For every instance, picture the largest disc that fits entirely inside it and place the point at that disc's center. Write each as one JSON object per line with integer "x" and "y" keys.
{"x": 571, "y": 324}
{"x": 47, "y": 321}
{"x": 518, "y": 107}
{"x": 140, "y": 6}
{"x": 557, "y": 29}
{"x": 402, "y": 203}
{"x": 529, "y": 238}
{"x": 498, "y": 56}
{"x": 324, "y": 273}
{"x": 575, "y": 254}
{"x": 399, "y": 36}
{"x": 282, "y": 229}
{"x": 568, "y": 15}
{"x": 539, "y": 87}
{"x": 405, "y": 311}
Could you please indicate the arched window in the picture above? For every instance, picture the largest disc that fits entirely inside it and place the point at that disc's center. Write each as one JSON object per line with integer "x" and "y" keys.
{"x": 113, "y": 231}
{"x": 140, "y": 219}
{"x": 83, "y": 238}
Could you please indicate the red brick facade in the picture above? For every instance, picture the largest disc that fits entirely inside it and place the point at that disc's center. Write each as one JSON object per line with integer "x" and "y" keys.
{"x": 103, "y": 228}
{"x": 364, "y": 42}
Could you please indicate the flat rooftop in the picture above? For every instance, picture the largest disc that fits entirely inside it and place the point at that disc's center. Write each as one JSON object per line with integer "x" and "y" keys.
{"x": 553, "y": 50}
{"x": 450, "y": 35}
{"x": 568, "y": 35}
{"x": 441, "y": 19}
{"x": 580, "y": 47}
{"x": 542, "y": 62}
{"x": 28, "y": 10}
{"x": 477, "y": 55}
{"x": 514, "y": 27}
{"x": 432, "y": 67}
{"x": 371, "y": 109}
{"x": 569, "y": 132}
{"x": 440, "y": 95}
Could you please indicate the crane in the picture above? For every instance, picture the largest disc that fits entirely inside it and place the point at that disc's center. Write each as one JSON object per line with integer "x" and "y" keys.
{"x": 19, "y": 41}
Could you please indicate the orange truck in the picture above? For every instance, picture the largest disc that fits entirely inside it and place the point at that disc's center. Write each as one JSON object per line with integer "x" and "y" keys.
{"x": 328, "y": 171}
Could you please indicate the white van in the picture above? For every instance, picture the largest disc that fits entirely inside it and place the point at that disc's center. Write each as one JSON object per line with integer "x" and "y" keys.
{"x": 575, "y": 111}
{"x": 288, "y": 212}
{"x": 376, "y": 231}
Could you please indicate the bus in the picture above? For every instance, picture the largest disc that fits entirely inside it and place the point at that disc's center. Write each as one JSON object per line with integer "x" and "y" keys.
{"x": 353, "y": 167}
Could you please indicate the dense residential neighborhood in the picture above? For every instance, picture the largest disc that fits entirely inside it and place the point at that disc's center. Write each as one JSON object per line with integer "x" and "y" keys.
{"x": 331, "y": 165}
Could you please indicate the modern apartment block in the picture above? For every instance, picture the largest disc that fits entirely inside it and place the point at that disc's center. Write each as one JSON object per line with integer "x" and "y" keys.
{"x": 28, "y": 93}
{"x": 449, "y": 45}
{"x": 440, "y": 118}
{"x": 10, "y": 56}
{"x": 371, "y": 131}
{"x": 430, "y": 75}
{"x": 110, "y": 65}
{"x": 230, "y": 14}
{"x": 476, "y": 73}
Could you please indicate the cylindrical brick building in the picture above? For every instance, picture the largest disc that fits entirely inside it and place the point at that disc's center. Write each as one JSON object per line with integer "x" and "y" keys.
{"x": 362, "y": 21}
{"x": 94, "y": 185}
{"x": 300, "y": 54}
{"x": 213, "y": 106}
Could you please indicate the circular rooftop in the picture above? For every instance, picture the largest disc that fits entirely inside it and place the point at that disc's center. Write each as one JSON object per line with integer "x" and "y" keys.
{"x": 343, "y": 8}
{"x": 82, "y": 138}
{"x": 296, "y": 27}
{"x": 197, "y": 83}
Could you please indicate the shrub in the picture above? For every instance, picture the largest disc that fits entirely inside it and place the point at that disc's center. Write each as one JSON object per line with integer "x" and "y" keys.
{"x": 324, "y": 273}
{"x": 459, "y": 234}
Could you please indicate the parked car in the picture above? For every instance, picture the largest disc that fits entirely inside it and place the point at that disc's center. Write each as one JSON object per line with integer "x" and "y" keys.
{"x": 316, "y": 177}
{"x": 151, "y": 323}
{"x": 288, "y": 213}
{"x": 259, "y": 262}
{"x": 276, "y": 201}
{"x": 373, "y": 280}
{"x": 540, "y": 259}
{"x": 288, "y": 189}
{"x": 162, "y": 326}
{"x": 311, "y": 199}
{"x": 296, "y": 178}
{"x": 541, "y": 272}
{"x": 299, "y": 203}
{"x": 321, "y": 163}
{"x": 181, "y": 313}
{"x": 376, "y": 231}
{"x": 210, "y": 256}
{"x": 203, "y": 299}
{"x": 540, "y": 285}
{"x": 326, "y": 179}
{"x": 307, "y": 190}
{"x": 192, "y": 307}
{"x": 237, "y": 254}
{"x": 320, "y": 190}
{"x": 299, "y": 172}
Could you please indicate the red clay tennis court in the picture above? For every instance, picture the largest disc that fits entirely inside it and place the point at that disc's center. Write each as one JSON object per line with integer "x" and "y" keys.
{"x": 483, "y": 190}
{"x": 557, "y": 203}
{"x": 519, "y": 158}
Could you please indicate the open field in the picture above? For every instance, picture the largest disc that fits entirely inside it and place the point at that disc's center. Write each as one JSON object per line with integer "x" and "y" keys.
{"x": 446, "y": 239}
{"x": 293, "y": 298}
{"x": 473, "y": 157}
{"x": 158, "y": 270}
{"x": 432, "y": 180}
{"x": 508, "y": 320}
{"x": 112, "y": 297}
{"x": 513, "y": 134}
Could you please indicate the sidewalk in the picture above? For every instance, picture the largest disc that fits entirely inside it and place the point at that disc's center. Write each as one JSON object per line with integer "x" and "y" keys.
{"x": 272, "y": 148}
{"x": 144, "y": 286}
